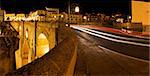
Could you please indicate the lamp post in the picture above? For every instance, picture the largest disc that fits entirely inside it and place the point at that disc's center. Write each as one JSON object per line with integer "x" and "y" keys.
{"x": 69, "y": 13}
{"x": 129, "y": 19}
{"x": 77, "y": 10}
{"x": 35, "y": 36}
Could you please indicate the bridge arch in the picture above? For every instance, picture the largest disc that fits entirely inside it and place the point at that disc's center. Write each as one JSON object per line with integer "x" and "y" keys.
{"x": 42, "y": 31}
{"x": 42, "y": 45}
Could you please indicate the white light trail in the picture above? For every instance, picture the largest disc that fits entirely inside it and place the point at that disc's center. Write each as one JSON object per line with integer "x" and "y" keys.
{"x": 111, "y": 39}
{"x": 111, "y": 35}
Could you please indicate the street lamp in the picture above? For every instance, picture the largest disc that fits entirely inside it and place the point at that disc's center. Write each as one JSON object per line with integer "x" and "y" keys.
{"x": 69, "y": 12}
{"x": 84, "y": 17}
{"x": 35, "y": 36}
{"x": 62, "y": 16}
{"x": 77, "y": 9}
{"x": 129, "y": 18}
{"x": 54, "y": 16}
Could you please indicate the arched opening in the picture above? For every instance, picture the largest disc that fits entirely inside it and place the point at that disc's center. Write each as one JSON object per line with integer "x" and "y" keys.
{"x": 42, "y": 45}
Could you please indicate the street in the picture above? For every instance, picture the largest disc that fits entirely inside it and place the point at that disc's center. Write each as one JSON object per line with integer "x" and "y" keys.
{"x": 95, "y": 60}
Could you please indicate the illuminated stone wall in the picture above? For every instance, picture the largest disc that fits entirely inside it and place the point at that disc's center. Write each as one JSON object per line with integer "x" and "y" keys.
{"x": 141, "y": 12}
{"x": 45, "y": 37}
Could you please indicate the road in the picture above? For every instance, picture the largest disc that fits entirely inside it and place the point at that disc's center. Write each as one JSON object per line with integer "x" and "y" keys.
{"x": 94, "y": 59}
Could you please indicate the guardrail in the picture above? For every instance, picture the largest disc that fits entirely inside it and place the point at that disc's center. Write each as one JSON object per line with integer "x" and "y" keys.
{"x": 57, "y": 62}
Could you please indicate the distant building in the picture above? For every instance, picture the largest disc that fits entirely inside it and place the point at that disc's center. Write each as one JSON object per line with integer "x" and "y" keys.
{"x": 93, "y": 18}
{"x": 37, "y": 15}
{"x": 53, "y": 10}
{"x": 52, "y": 17}
{"x": 20, "y": 17}
{"x": 102, "y": 16}
{"x": 52, "y": 14}
{"x": 74, "y": 18}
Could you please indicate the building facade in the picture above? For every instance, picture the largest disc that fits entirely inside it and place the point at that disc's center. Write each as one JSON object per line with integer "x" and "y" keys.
{"x": 50, "y": 14}
{"x": 20, "y": 17}
{"x": 141, "y": 12}
{"x": 73, "y": 18}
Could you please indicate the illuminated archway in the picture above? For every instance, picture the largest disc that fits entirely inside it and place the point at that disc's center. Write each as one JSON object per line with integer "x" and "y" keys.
{"x": 42, "y": 45}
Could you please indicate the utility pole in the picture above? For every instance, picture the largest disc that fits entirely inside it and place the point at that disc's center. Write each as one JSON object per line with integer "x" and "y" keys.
{"x": 35, "y": 36}
{"x": 69, "y": 12}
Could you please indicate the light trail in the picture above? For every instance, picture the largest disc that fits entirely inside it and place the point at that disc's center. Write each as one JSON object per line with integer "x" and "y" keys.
{"x": 105, "y": 37}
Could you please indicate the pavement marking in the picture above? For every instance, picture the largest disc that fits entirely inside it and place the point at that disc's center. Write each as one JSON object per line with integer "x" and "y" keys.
{"x": 130, "y": 57}
{"x": 111, "y": 39}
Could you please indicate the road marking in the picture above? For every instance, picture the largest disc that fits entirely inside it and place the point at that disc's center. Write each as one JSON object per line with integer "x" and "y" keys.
{"x": 130, "y": 57}
{"x": 111, "y": 39}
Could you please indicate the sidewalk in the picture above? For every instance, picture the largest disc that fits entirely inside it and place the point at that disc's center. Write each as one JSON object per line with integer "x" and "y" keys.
{"x": 117, "y": 31}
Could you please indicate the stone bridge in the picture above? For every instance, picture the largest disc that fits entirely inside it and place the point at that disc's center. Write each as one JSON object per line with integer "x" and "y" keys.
{"x": 29, "y": 48}
{"x": 36, "y": 39}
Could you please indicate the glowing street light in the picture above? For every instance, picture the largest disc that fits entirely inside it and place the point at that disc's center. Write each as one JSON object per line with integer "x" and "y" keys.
{"x": 129, "y": 17}
{"x": 54, "y": 16}
{"x": 62, "y": 16}
{"x": 77, "y": 9}
{"x": 84, "y": 17}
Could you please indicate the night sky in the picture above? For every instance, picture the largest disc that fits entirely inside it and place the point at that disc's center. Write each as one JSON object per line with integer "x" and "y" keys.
{"x": 89, "y": 6}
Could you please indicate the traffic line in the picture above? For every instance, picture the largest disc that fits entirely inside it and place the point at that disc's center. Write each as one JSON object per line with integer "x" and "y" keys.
{"x": 108, "y": 38}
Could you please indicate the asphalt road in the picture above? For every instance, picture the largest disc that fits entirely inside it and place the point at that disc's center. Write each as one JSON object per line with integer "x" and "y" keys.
{"x": 132, "y": 46}
{"x": 94, "y": 59}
